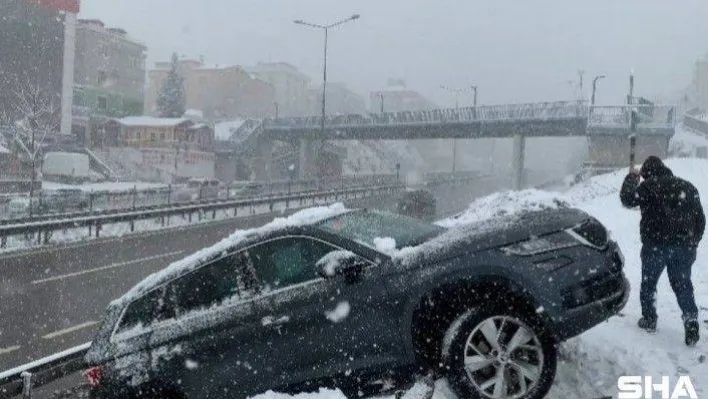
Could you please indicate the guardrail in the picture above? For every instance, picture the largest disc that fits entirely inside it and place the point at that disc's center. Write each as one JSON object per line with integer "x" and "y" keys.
{"x": 94, "y": 222}
{"x": 23, "y": 379}
{"x": 652, "y": 116}
{"x": 693, "y": 119}
{"x": 96, "y": 202}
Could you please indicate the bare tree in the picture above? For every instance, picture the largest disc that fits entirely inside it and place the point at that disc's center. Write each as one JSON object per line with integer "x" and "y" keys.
{"x": 40, "y": 113}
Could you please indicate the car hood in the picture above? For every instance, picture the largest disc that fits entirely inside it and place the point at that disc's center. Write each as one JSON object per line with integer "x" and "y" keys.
{"x": 494, "y": 233}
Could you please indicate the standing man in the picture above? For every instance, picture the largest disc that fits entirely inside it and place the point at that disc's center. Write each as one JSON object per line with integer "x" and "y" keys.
{"x": 671, "y": 228}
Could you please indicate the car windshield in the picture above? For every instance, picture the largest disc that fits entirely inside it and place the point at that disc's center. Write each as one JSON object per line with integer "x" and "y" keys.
{"x": 367, "y": 226}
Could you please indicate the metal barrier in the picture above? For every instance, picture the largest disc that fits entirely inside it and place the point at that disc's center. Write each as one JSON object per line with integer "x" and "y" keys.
{"x": 23, "y": 379}
{"x": 103, "y": 202}
{"x": 44, "y": 228}
{"x": 651, "y": 116}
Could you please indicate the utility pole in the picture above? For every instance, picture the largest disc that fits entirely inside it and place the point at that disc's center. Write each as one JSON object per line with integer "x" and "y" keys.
{"x": 382, "y": 102}
{"x": 581, "y": 73}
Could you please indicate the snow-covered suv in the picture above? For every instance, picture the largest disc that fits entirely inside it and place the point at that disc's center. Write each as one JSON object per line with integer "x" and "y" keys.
{"x": 330, "y": 294}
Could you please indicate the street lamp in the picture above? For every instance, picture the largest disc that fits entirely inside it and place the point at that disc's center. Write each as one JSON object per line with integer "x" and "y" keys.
{"x": 457, "y": 92}
{"x": 594, "y": 88}
{"x": 326, "y": 29}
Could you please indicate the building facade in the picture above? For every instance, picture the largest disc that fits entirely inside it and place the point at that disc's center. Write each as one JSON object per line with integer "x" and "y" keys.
{"x": 32, "y": 37}
{"x": 163, "y": 149}
{"x": 340, "y": 100}
{"x": 396, "y": 97}
{"x": 109, "y": 76}
{"x": 220, "y": 92}
{"x": 290, "y": 87}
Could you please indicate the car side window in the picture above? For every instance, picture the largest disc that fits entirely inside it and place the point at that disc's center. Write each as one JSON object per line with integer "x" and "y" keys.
{"x": 228, "y": 278}
{"x": 142, "y": 312}
{"x": 288, "y": 261}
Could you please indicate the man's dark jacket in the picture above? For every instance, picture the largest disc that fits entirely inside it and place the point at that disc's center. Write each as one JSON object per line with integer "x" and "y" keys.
{"x": 659, "y": 190}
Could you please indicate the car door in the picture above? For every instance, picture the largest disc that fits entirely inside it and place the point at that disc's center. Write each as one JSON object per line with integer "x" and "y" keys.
{"x": 210, "y": 344}
{"x": 318, "y": 326}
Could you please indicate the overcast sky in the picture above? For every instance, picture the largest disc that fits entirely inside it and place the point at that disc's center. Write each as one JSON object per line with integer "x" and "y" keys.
{"x": 515, "y": 50}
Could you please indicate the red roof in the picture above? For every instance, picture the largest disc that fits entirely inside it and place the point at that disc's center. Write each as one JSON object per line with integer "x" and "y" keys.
{"x": 72, "y": 6}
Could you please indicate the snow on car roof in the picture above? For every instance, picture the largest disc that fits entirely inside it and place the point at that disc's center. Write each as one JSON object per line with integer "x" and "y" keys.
{"x": 483, "y": 215}
{"x": 304, "y": 217}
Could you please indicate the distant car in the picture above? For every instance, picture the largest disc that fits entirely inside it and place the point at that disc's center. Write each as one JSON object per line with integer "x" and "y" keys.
{"x": 198, "y": 190}
{"x": 18, "y": 207}
{"x": 418, "y": 203}
{"x": 337, "y": 297}
{"x": 63, "y": 200}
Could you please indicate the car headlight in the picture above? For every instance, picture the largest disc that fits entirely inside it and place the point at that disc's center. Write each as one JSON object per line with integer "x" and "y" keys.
{"x": 539, "y": 245}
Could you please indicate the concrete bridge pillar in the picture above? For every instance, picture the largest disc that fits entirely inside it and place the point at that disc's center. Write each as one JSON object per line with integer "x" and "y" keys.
{"x": 264, "y": 159}
{"x": 308, "y": 159}
{"x": 518, "y": 161}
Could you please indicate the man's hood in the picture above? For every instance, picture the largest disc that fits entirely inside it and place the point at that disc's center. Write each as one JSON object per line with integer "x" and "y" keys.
{"x": 654, "y": 167}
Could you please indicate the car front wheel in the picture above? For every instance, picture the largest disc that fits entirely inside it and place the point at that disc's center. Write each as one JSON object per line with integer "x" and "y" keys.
{"x": 499, "y": 354}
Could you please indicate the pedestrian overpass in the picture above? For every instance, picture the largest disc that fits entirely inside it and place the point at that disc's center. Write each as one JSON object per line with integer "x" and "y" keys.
{"x": 607, "y": 129}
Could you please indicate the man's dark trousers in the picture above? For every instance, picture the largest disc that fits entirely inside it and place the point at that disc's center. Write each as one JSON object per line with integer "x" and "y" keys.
{"x": 678, "y": 260}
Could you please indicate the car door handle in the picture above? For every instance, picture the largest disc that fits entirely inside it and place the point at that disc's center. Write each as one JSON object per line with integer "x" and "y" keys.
{"x": 272, "y": 321}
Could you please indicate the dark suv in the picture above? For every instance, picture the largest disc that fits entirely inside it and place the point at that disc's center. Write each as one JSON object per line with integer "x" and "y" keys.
{"x": 354, "y": 293}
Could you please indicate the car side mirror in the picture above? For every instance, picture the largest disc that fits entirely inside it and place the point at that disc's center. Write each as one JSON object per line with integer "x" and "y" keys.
{"x": 340, "y": 263}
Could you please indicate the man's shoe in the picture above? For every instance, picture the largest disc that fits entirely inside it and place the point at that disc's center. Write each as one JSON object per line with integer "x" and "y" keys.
{"x": 647, "y": 325}
{"x": 692, "y": 336}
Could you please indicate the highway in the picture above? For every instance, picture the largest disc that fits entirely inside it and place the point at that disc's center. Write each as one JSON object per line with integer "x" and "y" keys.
{"x": 52, "y": 299}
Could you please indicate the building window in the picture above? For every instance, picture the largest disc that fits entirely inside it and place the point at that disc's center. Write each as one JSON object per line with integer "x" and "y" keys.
{"x": 102, "y": 77}
{"x": 102, "y": 103}
{"x": 152, "y": 136}
{"x": 162, "y": 136}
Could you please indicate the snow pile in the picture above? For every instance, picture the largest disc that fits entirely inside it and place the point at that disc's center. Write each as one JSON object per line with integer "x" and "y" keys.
{"x": 339, "y": 313}
{"x": 301, "y": 218}
{"x": 224, "y": 130}
{"x": 507, "y": 203}
{"x": 332, "y": 260}
{"x": 386, "y": 245}
{"x": 686, "y": 143}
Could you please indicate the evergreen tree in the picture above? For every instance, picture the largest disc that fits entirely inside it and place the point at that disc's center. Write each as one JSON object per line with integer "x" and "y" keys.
{"x": 171, "y": 102}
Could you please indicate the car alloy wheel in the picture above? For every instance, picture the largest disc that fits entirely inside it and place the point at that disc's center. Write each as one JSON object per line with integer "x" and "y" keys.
{"x": 499, "y": 354}
{"x": 503, "y": 358}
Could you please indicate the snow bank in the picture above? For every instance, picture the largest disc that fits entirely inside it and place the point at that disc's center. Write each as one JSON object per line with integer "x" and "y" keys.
{"x": 304, "y": 217}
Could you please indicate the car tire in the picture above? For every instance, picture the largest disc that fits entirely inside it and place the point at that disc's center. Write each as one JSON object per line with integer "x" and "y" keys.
{"x": 527, "y": 370}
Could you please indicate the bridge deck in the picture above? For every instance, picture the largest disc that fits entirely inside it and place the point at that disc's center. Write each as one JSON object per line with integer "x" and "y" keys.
{"x": 554, "y": 119}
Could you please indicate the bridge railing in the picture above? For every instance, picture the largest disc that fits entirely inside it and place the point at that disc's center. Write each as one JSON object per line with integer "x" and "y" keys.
{"x": 694, "y": 119}
{"x": 651, "y": 116}
{"x": 547, "y": 110}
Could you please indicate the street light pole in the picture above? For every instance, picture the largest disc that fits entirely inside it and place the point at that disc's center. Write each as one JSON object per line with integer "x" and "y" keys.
{"x": 594, "y": 88}
{"x": 382, "y": 102}
{"x": 457, "y": 92}
{"x": 326, "y": 29}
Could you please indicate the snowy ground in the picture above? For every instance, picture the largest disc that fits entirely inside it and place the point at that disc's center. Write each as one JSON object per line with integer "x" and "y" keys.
{"x": 590, "y": 364}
